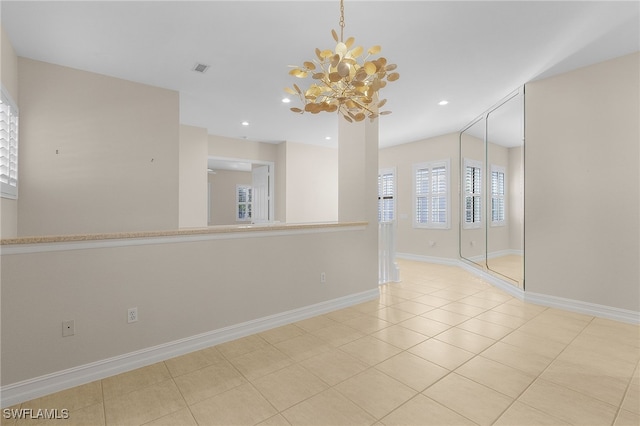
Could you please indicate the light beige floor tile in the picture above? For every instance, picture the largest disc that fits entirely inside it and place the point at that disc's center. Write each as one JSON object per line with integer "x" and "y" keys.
{"x": 431, "y": 300}
{"x": 278, "y": 334}
{"x": 587, "y": 379}
{"x": 388, "y": 299}
{"x": 412, "y": 370}
{"x": 606, "y": 347}
{"x": 261, "y": 362}
{"x": 491, "y": 293}
{"x": 499, "y": 377}
{"x": 480, "y": 302}
{"x": 368, "y": 323}
{"x": 465, "y": 339}
{"x": 344, "y": 314}
{"x": 568, "y": 405}
{"x": 328, "y": 408}
{"x": 370, "y": 350}
{"x": 334, "y": 366}
{"x": 593, "y": 359}
{"x": 368, "y": 307}
{"x": 179, "y": 418}
{"x": 338, "y": 335}
{"x": 534, "y": 344}
{"x": 446, "y": 317}
{"x": 414, "y": 308}
{"x": 277, "y": 420}
{"x": 303, "y": 347}
{"x": 463, "y": 309}
{"x": 289, "y": 386}
{"x": 375, "y": 392}
{"x": 632, "y": 399}
{"x": 394, "y": 290}
{"x": 518, "y": 358}
{"x": 627, "y": 418}
{"x": 425, "y": 326}
{"x": 523, "y": 415}
{"x": 393, "y": 315}
{"x": 549, "y": 330}
{"x": 501, "y": 319}
{"x": 193, "y": 361}
{"x": 400, "y": 336}
{"x": 242, "y": 346}
{"x": 518, "y": 309}
{"x": 443, "y": 354}
{"x": 71, "y": 399}
{"x": 627, "y": 334}
{"x": 239, "y": 406}
{"x": 143, "y": 405}
{"x": 468, "y": 398}
{"x": 424, "y": 411}
{"x": 487, "y": 329}
{"x": 208, "y": 381}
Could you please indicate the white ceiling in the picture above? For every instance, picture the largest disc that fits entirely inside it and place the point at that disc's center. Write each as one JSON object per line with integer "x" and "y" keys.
{"x": 469, "y": 53}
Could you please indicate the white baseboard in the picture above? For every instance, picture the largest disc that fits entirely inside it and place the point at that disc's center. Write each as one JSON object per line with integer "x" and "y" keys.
{"x": 593, "y": 309}
{"x": 26, "y": 390}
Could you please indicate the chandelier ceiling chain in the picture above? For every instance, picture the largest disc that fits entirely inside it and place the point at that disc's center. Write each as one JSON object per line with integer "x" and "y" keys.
{"x": 344, "y": 84}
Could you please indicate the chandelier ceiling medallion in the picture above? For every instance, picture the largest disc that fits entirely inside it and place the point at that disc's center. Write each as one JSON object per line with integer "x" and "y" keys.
{"x": 343, "y": 83}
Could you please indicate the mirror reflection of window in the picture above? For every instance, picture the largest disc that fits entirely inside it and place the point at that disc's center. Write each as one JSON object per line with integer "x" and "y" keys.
{"x": 243, "y": 203}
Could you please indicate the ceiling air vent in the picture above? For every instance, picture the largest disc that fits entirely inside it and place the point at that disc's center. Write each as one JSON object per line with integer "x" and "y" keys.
{"x": 201, "y": 68}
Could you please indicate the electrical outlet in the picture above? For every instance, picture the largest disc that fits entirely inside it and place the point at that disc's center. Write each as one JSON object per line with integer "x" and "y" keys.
{"x": 68, "y": 328}
{"x": 132, "y": 315}
{"x": 323, "y": 277}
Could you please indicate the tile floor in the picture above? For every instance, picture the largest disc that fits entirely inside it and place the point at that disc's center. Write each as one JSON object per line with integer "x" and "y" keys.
{"x": 440, "y": 348}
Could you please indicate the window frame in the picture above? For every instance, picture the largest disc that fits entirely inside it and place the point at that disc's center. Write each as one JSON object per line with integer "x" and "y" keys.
{"x": 499, "y": 169}
{"x": 446, "y": 194}
{"x": 7, "y": 189}
{"x": 477, "y": 221}
{"x": 247, "y": 204}
{"x": 382, "y": 197}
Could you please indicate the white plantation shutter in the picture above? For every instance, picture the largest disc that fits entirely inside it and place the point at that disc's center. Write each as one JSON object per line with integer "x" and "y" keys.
{"x": 8, "y": 146}
{"x": 498, "y": 213}
{"x": 386, "y": 195}
{"x": 243, "y": 202}
{"x": 431, "y": 194}
{"x": 472, "y": 194}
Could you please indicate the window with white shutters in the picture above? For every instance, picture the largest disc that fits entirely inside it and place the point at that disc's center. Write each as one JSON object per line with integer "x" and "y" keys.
{"x": 243, "y": 203}
{"x": 386, "y": 195}
{"x": 8, "y": 146}
{"x": 431, "y": 194}
{"x": 498, "y": 214}
{"x": 472, "y": 194}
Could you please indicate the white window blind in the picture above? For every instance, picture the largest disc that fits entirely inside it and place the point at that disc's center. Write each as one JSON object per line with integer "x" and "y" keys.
{"x": 431, "y": 194}
{"x": 498, "y": 213}
{"x": 386, "y": 195}
{"x": 244, "y": 203}
{"x": 8, "y": 146}
{"x": 472, "y": 194}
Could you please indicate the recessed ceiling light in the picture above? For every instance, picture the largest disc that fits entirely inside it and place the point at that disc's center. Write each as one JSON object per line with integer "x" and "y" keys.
{"x": 286, "y": 100}
{"x": 328, "y": 138}
{"x": 443, "y": 102}
{"x": 245, "y": 123}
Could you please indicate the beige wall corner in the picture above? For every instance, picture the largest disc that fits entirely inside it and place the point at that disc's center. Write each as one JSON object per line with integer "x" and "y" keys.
{"x": 582, "y": 195}
{"x": 193, "y": 177}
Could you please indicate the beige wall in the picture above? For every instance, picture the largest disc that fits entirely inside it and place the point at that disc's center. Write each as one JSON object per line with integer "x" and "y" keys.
{"x": 9, "y": 77}
{"x": 440, "y": 243}
{"x": 180, "y": 289}
{"x": 583, "y": 186}
{"x": 193, "y": 177}
{"x": 223, "y": 195}
{"x": 97, "y": 154}
{"x": 311, "y": 183}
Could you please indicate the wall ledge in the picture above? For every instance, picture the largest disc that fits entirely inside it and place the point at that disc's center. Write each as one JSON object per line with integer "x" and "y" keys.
{"x": 39, "y": 244}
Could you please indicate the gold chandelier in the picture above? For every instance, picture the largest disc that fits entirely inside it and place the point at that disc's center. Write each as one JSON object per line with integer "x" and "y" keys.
{"x": 342, "y": 83}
